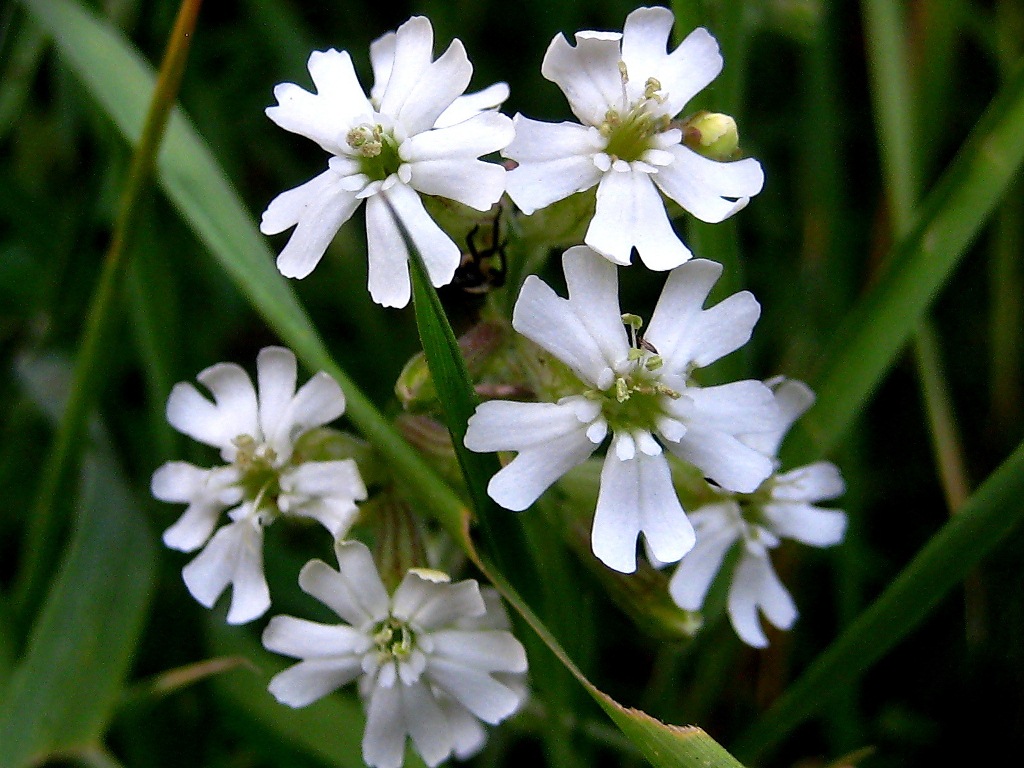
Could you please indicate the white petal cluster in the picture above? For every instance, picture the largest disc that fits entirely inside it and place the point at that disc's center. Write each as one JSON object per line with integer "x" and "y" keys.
{"x": 646, "y": 400}
{"x": 626, "y": 89}
{"x": 416, "y": 134}
{"x": 433, "y": 660}
{"x": 783, "y": 507}
{"x": 256, "y": 433}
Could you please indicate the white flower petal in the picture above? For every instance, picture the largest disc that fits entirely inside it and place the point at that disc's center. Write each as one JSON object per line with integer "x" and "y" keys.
{"x": 677, "y": 316}
{"x": 555, "y": 161}
{"x": 702, "y": 186}
{"x": 303, "y": 683}
{"x": 232, "y": 414}
{"x": 793, "y": 399}
{"x": 441, "y": 255}
{"x": 685, "y": 72}
{"x": 388, "y": 269}
{"x": 805, "y": 523}
{"x": 443, "y": 163}
{"x": 723, "y": 458}
{"x": 419, "y": 89}
{"x": 755, "y": 585}
{"x": 487, "y": 651}
{"x": 593, "y": 286}
{"x": 588, "y": 75}
{"x": 234, "y": 556}
{"x": 325, "y": 491}
{"x": 480, "y": 693}
{"x": 302, "y": 639}
{"x": 178, "y": 481}
{"x": 354, "y": 592}
{"x": 736, "y": 408}
{"x": 532, "y": 472}
{"x": 326, "y": 116}
{"x": 636, "y": 497}
{"x": 276, "y": 373}
{"x": 505, "y": 425}
{"x": 431, "y": 605}
{"x": 318, "y": 401}
{"x": 630, "y": 213}
{"x": 471, "y": 104}
{"x": 584, "y": 331}
{"x": 468, "y": 735}
{"x": 382, "y": 59}
{"x": 690, "y": 583}
{"x": 426, "y": 723}
{"x": 644, "y": 40}
{"x": 319, "y": 208}
{"x": 384, "y": 736}
{"x": 814, "y": 482}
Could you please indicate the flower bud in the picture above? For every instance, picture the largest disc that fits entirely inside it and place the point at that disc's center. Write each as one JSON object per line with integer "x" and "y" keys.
{"x": 712, "y": 134}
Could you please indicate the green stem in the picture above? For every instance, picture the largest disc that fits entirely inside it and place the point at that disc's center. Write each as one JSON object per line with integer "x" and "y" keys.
{"x": 41, "y": 537}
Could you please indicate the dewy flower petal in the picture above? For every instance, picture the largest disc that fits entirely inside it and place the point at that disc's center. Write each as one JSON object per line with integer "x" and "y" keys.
{"x": 640, "y": 393}
{"x": 262, "y": 480}
{"x": 626, "y": 89}
{"x": 417, "y": 134}
{"x": 432, "y": 660}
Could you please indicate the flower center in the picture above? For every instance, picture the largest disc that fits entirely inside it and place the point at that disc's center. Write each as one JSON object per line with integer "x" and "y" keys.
{"x": 394, "y": 640}
{"x": 635, "y": 399}
{"x": 260, "y": 478}
{"x": 377, "y": 149}
{"x": 630, "y": 135}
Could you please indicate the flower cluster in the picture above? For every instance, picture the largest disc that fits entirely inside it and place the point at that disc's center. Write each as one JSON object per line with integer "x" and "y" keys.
{"x": 432, "y": 659}
{"x": 264, "y": 477}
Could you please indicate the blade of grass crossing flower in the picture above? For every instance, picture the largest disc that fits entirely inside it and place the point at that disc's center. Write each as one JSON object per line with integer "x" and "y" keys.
{"x": 665, "y": 746}
{"x": 986, "y": 519}
{"x": 876, "y": 330}
{"x": 501, "y": 530}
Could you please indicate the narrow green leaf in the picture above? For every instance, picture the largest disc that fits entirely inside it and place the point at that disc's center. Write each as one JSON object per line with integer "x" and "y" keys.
{"x": 876, "y": 330}
{"x": 987, "y": 518}
{"x": 63, "y": 693}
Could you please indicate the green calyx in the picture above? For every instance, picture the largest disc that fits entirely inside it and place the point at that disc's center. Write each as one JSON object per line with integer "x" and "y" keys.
{"x": 377, "y": 150}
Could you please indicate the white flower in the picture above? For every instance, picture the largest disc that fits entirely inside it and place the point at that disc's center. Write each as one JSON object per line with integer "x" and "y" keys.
{"x": 783, "y": 507}
{"x": 256, "y": 435}
{"x": 416, "y": 134}
{"x": 432, "y": 660}
{"x": 641, "y": 393}
{"x": 625, "y": 89}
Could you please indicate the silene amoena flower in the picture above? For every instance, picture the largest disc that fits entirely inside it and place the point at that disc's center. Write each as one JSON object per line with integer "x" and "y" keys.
{"x": 432, "y": 660}
{"x": 264, "y": 476}
{"x": 783, "y": 506}
{"x": 416, "y": 134}
{"x": 638, "y": 389}
{"x": 626, "y": 91}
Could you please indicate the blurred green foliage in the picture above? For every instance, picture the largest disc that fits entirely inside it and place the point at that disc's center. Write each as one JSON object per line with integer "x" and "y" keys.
{"x": 844, "y": 177}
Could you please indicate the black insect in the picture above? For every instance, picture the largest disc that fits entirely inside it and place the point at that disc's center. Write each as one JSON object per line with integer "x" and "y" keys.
{"x": 482, "y": 270}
